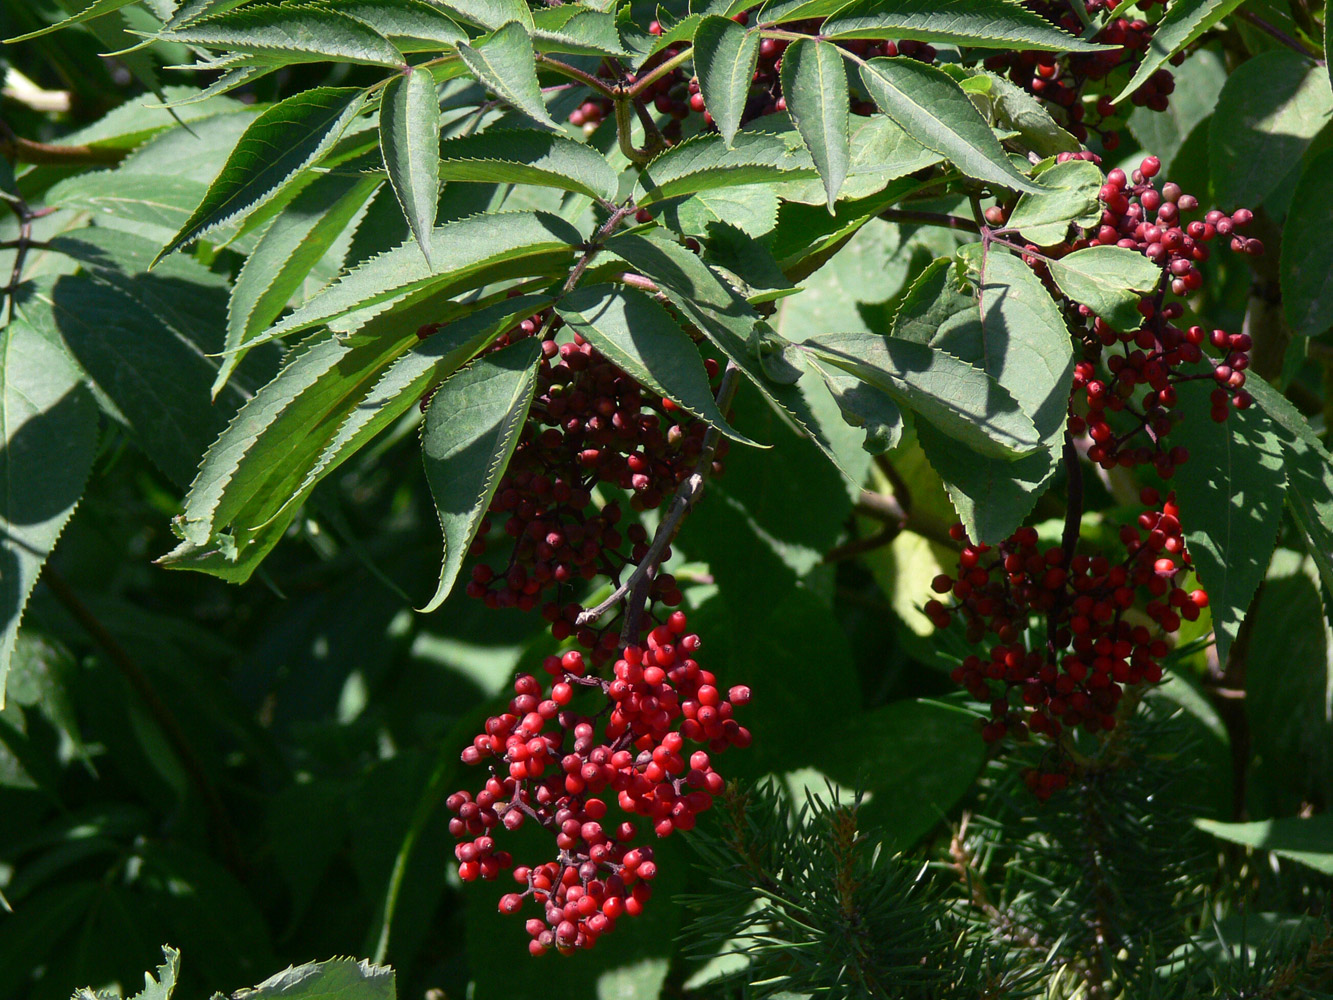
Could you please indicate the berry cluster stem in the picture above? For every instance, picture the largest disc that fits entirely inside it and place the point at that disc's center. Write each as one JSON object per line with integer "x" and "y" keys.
{"x": 634, "y": 590}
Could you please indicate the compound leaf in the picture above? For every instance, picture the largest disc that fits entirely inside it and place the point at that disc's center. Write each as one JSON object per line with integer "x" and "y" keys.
{"x": 503, "y": 62}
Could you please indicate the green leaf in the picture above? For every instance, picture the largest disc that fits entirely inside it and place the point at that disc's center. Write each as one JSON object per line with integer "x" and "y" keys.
{"x": 281, "y": 143}
{"x": 1020, "y": 340}
{"x": 1110, "y": 281}
{"x": 1198, "y": 82}
{"x": 1309, "y": 468}
{"x": 336, "y": 979}
{"x": 1230, "y": 494}
{"x": 936, "y": 295}
{"x": 168, "y": 972}
{"x": 154, "y": 378}
{"x": 281, "y": 261}
{"x": 1018, "y": 110}
{"x": 977, "y": 24}
{"x": 1071, "y": 195}
{"x": 524, "y": 156}
{"x": 251, "y": 472}
{"x": 958, "y": 398}
{"x": 490, "y": 14}
{"x": 411, "y": 25}
{"x": 503, "y": 62}
{"x": 867, "y": 408}
{"x": 410, "y": 143}
{"x": 1184, "y": 21}
{"x": 725, "y": 55}
{"x": 95, "y": 9}
{"x": 1307, "y": 256}
{"x": 290, "y": 34}
{"x": 1307, "y": 841}
{"x": 815, "y": 83}
{"x": 641, "y": 337}
{"x": 49, "y": 427}
{"x": 881, "y": 152}
{"x": 1269, "y": 110}
{"x": 751, "y": 208}
{"x": 468, "y": 253}
{"x": 707, "y": 163}
{"x": 472, "y": 427}
{"x": 576, "y": 29}
{"x": 933, "y": 110}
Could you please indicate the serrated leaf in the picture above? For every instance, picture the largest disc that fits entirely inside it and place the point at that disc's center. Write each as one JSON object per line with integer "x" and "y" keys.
{"x": 1184, "y": 21}
{"x": 576, "y": 29}
{"x": 1020, "y": 339}
{"x": 1308, "y": 841}
{"x": 95, "y": 9}
{"x": 958, "y": 398}
{"x": 410, "y": 143}
{"x": 278, "y": 145}
{"x": 1307, "y": 256}
{"x": 503, "y": 62}
{"x": 1268, "y": 112}
{"x": 490, "y": 14}
{"x": 193, "y": 10}
{"x": 412, "y": 375}
{"x": 336, "y": 979}
{"x": 1070, "y": 195}
{"x": 472, "y": 427}
{"x": 250, "y": 473}
{"x": 725, "y": 55}
{"x": 514, "y": 156}
{"x": 933, "y": 110}
{"x": 706, "y": 163}
{"x": 168, "y": 973}
{"x": 1230, "y": 494}
{"x": 48, "y": 424}
{"x": 751, "y": 208}
{"x": 641, "y": 337}
{"x": 293, "y": 243}
{"x": 1111, "y": 281}
{"x": 978, "y": 24}
{"x": 1309, "y": 468}
{"x": 411, "y": 25}
{"x": 815, "y": 82}
{"x": 865, "y": 407}
{"x": 290, "y": 34}
{"x": 468, "y": 253}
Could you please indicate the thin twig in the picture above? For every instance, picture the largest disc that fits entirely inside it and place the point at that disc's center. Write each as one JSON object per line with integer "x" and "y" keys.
{"x": 686, "y": 496}
{"x": 1276, "y": 32}
{"x": 929, "y": 219}
{"x": 157, "y": 708}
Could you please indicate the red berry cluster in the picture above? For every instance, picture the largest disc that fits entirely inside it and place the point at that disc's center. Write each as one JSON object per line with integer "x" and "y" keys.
{"x": 1072, "y": 632}
{"x": 590, "y": 425}
{"x": 1141, "y": 381}
{"x": 558, "y": 767}
{"x": 1060, "y": 79}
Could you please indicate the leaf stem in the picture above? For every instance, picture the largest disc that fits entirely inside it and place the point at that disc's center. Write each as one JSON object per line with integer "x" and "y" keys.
{"x": 1292, "y": 43}
{"x": 574, "y": 73}
{"x": 635, "y": 588}
{"x": 929, "y": 219}
{"x": 635, "y": 91}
